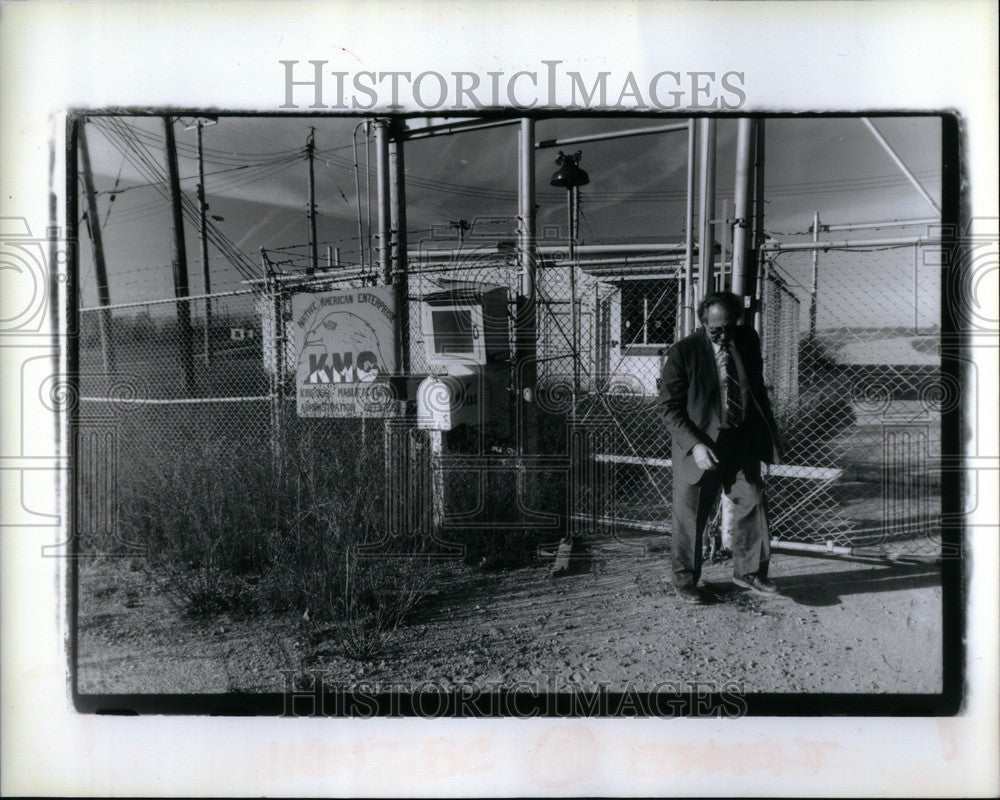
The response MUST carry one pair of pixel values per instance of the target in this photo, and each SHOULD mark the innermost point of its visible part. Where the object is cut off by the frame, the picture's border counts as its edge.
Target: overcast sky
(256, 176)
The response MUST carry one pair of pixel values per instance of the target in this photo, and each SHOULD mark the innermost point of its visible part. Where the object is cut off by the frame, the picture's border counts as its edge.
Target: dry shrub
(226, 526)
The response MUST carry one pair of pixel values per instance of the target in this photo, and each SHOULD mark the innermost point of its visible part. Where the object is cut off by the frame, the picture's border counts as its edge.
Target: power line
(143, 160)
(157, 139)
(195, 177)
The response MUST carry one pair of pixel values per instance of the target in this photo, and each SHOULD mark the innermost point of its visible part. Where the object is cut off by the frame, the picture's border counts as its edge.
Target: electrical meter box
(467, 341)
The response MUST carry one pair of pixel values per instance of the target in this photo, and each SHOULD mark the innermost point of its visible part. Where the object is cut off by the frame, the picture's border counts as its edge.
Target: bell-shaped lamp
(569, 173)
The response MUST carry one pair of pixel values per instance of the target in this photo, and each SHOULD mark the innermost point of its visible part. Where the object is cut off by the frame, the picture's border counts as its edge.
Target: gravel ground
(836, 626)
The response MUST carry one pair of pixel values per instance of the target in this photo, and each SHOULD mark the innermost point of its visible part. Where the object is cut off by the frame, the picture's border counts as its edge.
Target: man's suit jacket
(691, 400)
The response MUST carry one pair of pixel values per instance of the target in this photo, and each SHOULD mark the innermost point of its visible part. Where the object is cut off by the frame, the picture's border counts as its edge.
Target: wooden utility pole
(203, 232)
(310, 152)
(93, 217)
(179, 259)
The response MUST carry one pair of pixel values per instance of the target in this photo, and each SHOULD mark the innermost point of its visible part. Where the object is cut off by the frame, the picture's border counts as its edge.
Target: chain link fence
(865, 414)
(850, 351)
(162, 384)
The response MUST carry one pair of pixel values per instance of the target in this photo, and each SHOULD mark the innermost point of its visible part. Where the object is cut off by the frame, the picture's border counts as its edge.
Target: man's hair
(731, 302)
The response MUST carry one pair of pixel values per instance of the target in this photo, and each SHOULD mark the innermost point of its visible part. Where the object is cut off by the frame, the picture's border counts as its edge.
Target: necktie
(734, 393)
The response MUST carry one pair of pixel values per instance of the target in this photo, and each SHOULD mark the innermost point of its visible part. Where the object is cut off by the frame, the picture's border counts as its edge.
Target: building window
(649, 312)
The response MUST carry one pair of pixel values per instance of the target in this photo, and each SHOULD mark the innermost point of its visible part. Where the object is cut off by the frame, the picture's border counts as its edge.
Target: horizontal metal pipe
(852, 243)
(430, 255)
(174, 401)
(625, 260)
(450, 128)
(341, 273)
(892, 223)
(189, 297)
(627, 524)
(597, 137)
(661, 247)
(841, 550)
(805, 547)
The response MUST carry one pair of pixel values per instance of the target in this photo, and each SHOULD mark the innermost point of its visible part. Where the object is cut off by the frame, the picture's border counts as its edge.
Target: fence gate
(862, 416)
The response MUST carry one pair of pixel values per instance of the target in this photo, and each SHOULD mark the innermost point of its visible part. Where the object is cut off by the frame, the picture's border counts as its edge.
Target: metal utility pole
(754, 275)
(93, 217)
(570, 177)
(382, 194)
(527, 311)
(574, 224)
(310, 153)
(179, 259)
(203, 236)
(689, 295)
(741, 201)
(815, 277)
(706, 241)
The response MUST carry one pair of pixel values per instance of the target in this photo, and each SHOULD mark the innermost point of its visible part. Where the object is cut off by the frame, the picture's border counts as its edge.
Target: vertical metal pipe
(368, 199)
(706, 241)
(275, 377)
(754, 271)
(399, 250)
(574, 204)
(815, 277)
(727, 507)
(741, 203)
(382, 200)
(758, 317)
(526, 207)
(689, 298)
(526, 320)
(67, 311)
(435, 440)
(357, 192)
(724, 244)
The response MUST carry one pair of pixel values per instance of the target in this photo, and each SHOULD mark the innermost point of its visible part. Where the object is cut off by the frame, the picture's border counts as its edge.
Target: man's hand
(704, 457)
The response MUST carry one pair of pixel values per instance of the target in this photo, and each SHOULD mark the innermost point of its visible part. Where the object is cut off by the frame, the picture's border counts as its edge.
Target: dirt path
(837, 626)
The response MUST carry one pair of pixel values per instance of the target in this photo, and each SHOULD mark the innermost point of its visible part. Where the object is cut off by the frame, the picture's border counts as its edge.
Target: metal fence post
(273, 299)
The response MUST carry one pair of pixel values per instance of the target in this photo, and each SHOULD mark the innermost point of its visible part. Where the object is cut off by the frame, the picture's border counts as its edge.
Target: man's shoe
(756, 584)
(689, 594)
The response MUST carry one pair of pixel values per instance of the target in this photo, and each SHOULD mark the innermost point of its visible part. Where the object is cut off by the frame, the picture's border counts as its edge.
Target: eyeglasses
(715, 331)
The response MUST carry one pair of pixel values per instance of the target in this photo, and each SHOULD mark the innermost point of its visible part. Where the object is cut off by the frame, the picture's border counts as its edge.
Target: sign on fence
(345, 344)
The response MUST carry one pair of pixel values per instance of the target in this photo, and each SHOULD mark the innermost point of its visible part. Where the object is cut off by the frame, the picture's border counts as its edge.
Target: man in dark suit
(714, 402)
